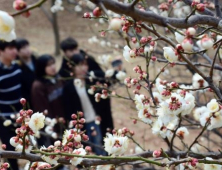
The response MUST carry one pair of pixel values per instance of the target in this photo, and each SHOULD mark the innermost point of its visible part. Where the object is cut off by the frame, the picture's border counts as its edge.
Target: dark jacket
(72, 104)
(10, 89)
(28, 77)
(48, 95)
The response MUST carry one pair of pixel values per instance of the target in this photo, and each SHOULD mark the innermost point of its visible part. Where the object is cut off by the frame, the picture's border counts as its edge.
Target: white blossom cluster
(57, 6)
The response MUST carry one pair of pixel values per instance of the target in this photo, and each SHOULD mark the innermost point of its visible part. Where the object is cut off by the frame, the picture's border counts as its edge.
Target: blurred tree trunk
(52, 17)
(56, 31)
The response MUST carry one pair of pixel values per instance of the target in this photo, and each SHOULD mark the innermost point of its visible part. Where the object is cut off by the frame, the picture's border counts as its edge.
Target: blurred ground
(38, 30)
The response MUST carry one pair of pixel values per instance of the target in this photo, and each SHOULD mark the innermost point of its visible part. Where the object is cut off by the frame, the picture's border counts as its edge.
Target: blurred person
(10, 93)
(47, 89)
(27, 64)
(70, 47)
(76, 98)
(46, 93)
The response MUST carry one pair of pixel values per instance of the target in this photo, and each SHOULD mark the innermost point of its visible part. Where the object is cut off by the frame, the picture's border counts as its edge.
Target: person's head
(70, 47)
(8, 52)
(80, 66)
(24, 51)
(45, 66)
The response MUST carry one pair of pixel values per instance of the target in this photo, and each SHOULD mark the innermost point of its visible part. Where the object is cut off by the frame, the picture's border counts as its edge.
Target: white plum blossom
(77, 160)
(121, 75)
(211, 166)
(7, 27)
(139, 101)
(198, 81)
(109, 73)
(14, 141)
(104, 59)
(206, 42)
(215, 119)
(213, 106)
(57, 6)
(116, 145)
(179, 37)
(160, 129)
(37, 121)
(52, 160)
(78, 8)
(182, 132)
(65, 137)
(189, 104)
(129, 54)
(145, 114)
(7, 122)
(115, 24)
(174, 105)
(169, 54)
(19, 148)
(198, 111)
(78, 83)
(93, 39)
(187, 44)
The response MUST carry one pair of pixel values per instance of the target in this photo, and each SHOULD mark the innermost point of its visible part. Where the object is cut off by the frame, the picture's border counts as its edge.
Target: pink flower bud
(88, 149)
(57, 143)
(174, 85)
(23, 101)
(194, 162)
(134, 121)
(200, 7)
(19, 120)
(74, 116)
(143, 40)
(103, 33)
(153, 58)
(6, 165)
(19, 4)
(97, 12)
(191, 31)
(179, 47)
(82, 120)
(85, 137)
(80, 114)
(3, 146)
(86, 15)
(29, 112)
(134, 40)
(156, 153)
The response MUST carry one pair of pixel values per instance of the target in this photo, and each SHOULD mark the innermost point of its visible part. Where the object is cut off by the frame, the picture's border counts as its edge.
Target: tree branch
(30, 7)
(151, 17)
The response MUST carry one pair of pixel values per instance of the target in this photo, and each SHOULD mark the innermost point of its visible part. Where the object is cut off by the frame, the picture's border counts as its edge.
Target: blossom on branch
(76, 160)
(37, 122)
(116, 145)
(7, 27)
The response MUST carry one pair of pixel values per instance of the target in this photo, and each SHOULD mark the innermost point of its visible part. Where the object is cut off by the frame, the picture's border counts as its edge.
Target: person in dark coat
(70, 47)
(27, 64)
(46, 94)
(76, 98)
(10, 93)
(47, 89)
